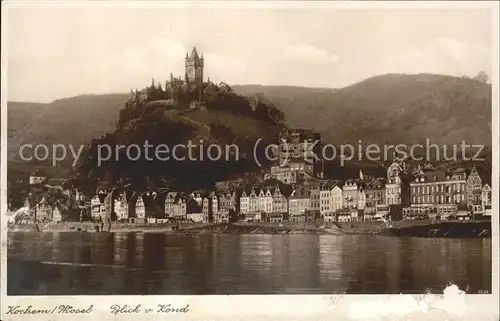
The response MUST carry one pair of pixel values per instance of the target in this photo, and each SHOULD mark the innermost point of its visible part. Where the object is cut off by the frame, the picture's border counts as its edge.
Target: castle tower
(194, 68)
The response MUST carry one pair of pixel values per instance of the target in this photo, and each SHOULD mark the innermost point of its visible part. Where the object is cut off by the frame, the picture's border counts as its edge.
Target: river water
(73, 263)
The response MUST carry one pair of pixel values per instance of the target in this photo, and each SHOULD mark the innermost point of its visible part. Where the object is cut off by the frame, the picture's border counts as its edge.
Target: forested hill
(390, 108)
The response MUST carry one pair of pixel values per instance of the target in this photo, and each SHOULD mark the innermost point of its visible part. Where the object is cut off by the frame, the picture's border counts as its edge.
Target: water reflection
(148, 263)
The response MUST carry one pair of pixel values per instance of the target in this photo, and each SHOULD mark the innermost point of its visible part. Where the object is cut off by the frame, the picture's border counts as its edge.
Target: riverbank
(464, 229)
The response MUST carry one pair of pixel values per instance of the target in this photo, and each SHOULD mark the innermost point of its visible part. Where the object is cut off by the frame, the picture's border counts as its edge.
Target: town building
(136, 208)
(280, 202)
(396, 187)
(196, 196)
(95, 207)
(299, 152)
(265, 202)
(361, 202)
(244, 202)
(474, 192)
(206, 209)
(343, 215)
(298, 204)
(330, 200)
(214, 203)
(253, 217)
(397, 190)
(350, 195)
(486, 200)
(437, 193)
(121, 207)
(285, 174)
(253, 202)
(314, 190)
(275, 217)
(227, 201)
(175, 205)
(43, 211)
(375, 195)
(337, 198)
(57, 213)
(140, 209)
(196, 217)
(38, 177)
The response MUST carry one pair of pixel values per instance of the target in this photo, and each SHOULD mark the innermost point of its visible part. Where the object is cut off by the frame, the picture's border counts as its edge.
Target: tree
(481, 77)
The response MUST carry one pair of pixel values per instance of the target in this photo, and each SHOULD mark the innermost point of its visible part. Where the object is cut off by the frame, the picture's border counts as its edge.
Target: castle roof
(39, 173)
(194, 53)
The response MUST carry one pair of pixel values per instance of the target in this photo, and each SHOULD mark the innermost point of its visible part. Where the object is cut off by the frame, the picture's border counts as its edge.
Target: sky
(56, 52)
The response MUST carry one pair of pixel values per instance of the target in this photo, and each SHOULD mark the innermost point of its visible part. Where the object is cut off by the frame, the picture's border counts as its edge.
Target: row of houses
(426, 191)
(152, 206)
(42, 210)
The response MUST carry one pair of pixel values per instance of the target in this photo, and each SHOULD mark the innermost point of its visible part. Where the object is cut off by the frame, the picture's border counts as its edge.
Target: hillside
(390, 108)
(199, 144)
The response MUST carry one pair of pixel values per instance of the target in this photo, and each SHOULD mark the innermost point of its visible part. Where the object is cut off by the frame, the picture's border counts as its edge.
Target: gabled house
(38, 177)
(227, 201)
(121, 207)
(337, 197)
(214, 202)
(350, 194)
(57, 213)
(486, 200)
(180, 209)
(253, 206)
(280, 201)
(207, 209)
(327, 211)
(197, 197)
(298, 204)
(397, 186)
(474, 188)
(136, 208)
(244, 202)
(43, 210)
(140, 209)
(375, 195)
(265, 201)
(96, 207)
(170, 206)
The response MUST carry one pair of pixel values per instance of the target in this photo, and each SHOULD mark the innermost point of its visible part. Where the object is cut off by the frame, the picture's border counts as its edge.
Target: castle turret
(194, 68)
(194, 71)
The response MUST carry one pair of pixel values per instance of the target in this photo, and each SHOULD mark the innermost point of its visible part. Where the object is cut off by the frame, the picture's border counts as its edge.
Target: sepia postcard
(220, 160)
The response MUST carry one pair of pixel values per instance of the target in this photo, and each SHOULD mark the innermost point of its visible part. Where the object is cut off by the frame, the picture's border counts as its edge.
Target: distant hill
(392, 108)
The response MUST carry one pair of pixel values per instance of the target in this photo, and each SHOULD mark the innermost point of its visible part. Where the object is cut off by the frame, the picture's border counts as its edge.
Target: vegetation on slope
(391, 108)
(227, 119)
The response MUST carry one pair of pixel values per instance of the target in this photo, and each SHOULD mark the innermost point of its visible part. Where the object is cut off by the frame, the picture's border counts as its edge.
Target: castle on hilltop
(190, 88)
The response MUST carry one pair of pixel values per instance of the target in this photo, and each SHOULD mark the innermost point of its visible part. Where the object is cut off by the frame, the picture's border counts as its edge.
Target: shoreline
(458, 229)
